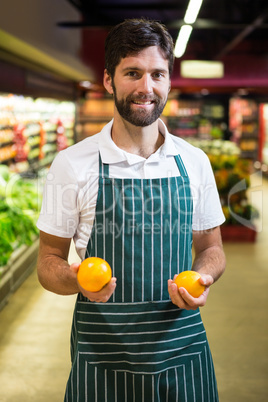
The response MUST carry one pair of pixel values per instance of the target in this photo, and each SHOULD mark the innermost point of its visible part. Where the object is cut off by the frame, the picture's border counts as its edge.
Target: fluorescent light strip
(192, 11)
(182, 40)
(186, 30)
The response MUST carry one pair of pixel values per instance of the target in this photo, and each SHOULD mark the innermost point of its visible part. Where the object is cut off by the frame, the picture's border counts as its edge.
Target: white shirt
(71, 188)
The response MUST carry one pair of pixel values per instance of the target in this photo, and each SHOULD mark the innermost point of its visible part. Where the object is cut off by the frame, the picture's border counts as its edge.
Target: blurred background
(51, 96)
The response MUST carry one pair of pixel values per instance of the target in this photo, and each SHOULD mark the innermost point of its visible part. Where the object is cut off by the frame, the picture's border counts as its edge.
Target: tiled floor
(35, 329)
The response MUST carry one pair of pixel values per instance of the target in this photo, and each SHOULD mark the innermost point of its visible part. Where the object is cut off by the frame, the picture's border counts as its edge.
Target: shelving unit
(92, 115)
(244, 126)
(194, 118)
(19, 267)
(33, 131)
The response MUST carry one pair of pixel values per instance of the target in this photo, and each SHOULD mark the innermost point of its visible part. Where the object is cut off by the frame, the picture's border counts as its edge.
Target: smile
(143, 103)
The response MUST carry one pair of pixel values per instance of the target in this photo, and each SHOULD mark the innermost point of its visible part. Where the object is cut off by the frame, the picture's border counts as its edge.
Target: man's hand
(181, 298)
(100, 297)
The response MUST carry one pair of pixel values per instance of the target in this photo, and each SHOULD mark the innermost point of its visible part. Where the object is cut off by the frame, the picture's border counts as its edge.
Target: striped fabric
(193, 381)
(139, 346)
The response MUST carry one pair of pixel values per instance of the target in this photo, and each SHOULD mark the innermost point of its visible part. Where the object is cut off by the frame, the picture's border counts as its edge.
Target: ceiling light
(192, 11)
(202, 69)
(182, 40)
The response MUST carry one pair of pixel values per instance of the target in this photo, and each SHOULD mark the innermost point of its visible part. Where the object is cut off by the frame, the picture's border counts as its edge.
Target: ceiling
(226, 30)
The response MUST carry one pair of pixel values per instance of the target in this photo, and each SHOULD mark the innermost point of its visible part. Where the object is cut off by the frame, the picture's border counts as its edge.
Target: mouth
(142, 103)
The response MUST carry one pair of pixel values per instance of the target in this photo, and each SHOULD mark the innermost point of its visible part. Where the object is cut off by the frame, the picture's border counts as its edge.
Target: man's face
(140, 85)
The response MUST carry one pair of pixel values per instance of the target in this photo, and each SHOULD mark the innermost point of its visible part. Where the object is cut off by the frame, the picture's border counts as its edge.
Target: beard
(139, 117)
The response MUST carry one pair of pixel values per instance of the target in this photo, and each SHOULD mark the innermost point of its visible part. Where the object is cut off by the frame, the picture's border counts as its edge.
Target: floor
(35, 328)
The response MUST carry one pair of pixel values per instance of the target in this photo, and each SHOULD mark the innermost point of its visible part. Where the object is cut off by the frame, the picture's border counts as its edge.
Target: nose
(145, 84)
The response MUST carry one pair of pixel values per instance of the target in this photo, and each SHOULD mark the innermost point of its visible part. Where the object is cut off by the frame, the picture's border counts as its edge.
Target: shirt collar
(111, 153)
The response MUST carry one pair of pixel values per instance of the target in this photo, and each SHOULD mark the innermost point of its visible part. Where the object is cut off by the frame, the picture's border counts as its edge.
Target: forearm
(55, 275)
(210, 261)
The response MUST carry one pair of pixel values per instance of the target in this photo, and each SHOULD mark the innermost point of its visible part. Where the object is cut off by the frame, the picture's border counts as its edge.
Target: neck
(142, 141)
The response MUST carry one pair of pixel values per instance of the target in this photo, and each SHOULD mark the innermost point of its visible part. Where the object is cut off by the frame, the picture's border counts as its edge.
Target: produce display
(232, 175)
(32, 131)
(19, 207)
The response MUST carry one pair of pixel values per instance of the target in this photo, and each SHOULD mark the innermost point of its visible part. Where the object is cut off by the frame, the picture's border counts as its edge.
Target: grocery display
(20, 201)
(263, 139)
(32, 131)
(19, 206)
(92, 114)
(243, 123)
(232, 175)
(195, 118)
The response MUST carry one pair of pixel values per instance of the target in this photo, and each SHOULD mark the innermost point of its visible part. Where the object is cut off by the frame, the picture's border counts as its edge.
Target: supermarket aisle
(236, 315)
(34, 343)
(35, 328)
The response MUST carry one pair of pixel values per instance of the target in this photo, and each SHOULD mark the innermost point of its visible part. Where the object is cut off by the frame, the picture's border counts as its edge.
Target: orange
(94, 273)
(190, 281)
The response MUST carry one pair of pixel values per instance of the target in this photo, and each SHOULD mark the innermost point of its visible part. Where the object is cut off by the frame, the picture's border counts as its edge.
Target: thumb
(75, 267)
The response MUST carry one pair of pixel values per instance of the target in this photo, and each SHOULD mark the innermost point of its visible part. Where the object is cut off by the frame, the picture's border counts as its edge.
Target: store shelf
(194, 118)
(29, 128)
(18, 268)
(244, 126)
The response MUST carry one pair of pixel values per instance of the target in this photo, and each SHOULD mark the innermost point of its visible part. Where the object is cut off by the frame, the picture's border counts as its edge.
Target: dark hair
(132, 36)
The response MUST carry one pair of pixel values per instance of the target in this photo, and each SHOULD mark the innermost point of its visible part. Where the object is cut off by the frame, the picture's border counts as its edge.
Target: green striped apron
(139, 346)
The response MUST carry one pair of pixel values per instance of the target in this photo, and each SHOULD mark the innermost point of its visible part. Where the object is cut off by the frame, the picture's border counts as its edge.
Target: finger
(175, 295)
(194, 302)
(104, 294)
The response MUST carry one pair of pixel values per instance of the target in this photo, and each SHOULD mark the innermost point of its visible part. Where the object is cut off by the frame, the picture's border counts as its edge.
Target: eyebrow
(155, 70)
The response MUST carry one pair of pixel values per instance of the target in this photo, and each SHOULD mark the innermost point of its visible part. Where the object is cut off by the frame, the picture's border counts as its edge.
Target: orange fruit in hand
(190, 281)
(94, 273)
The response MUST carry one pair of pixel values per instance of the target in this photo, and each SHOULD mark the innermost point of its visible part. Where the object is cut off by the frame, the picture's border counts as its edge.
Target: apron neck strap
(181, 166)
(103, 168)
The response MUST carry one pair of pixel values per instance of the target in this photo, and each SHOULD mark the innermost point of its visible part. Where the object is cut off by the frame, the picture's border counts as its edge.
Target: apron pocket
(194, 380)
(138, 338)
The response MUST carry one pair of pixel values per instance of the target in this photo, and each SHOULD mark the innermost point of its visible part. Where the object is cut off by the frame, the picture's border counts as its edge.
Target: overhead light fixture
(185, 31)
(202, 69)
(85, 84)
(182, 40)
(192, 11)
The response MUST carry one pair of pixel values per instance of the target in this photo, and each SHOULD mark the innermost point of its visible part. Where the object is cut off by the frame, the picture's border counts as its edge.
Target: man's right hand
(99, 297)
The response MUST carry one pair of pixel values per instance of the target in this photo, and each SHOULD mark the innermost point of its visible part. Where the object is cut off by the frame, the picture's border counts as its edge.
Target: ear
(107, 82)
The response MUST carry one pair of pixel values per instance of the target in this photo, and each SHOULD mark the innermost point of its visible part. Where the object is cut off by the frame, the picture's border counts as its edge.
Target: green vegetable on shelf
(20, 203)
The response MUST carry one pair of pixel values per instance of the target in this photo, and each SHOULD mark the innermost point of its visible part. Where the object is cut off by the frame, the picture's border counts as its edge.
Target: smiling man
(137, 197)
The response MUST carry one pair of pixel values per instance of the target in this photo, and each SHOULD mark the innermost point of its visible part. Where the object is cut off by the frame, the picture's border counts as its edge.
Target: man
(137, 197)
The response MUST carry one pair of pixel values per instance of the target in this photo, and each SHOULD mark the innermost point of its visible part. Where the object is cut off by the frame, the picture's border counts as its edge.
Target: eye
(158, 75)
(133, 74)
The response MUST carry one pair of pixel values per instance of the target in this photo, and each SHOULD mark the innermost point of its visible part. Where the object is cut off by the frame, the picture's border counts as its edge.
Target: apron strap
(103, 168)
(181, 166)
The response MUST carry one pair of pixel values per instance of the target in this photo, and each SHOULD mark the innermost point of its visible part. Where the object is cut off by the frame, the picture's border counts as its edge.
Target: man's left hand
(181, 298)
